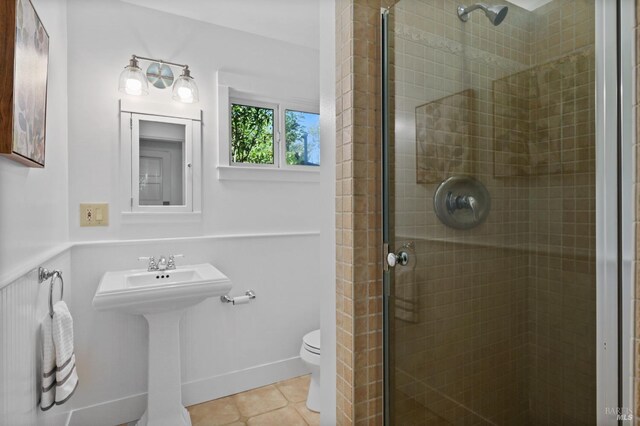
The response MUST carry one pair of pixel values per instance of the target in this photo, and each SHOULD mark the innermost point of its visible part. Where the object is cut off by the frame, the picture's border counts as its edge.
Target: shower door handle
(400, 258)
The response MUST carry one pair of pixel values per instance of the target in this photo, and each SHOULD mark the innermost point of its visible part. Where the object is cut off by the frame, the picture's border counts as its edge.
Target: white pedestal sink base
(164, 398)
(162, 299)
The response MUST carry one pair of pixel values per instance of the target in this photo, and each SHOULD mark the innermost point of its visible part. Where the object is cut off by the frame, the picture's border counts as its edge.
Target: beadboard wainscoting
(23, 303)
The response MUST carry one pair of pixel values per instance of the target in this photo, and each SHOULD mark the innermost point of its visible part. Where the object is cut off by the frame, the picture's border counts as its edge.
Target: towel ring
(44, 274)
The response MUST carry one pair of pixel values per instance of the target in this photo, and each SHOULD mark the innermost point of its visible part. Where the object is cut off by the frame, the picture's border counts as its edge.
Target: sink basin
(138, 291)
(162, 298)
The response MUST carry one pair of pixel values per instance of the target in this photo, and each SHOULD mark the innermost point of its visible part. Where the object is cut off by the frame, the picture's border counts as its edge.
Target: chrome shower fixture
(496, 14)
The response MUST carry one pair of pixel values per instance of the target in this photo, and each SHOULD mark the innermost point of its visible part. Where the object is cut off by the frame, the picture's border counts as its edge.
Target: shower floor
(283, 403)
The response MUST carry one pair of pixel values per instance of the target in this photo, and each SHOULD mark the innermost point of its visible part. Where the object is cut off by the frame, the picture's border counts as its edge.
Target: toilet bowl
(310, 354)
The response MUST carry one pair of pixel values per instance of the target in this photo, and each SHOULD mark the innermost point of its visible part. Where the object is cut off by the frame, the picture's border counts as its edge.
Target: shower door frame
(627, 198)
(615, 207)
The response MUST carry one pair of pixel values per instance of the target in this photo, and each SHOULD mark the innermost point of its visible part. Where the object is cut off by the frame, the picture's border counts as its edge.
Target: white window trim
(233, 86)
(130, 209)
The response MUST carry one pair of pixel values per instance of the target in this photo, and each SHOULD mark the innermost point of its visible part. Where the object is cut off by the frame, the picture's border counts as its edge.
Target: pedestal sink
(161, 297)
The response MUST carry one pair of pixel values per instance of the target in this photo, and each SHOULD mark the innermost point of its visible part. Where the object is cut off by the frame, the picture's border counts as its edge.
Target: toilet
(310, 354)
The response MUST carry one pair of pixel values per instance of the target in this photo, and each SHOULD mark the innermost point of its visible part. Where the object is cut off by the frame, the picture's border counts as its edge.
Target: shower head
(496, 14)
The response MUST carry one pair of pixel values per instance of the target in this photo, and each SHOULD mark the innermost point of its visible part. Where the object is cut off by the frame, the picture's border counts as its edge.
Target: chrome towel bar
(45, 274)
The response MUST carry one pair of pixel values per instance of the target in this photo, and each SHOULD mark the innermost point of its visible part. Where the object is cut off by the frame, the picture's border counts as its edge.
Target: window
(302, 130)
(256, 133)
(252, 134)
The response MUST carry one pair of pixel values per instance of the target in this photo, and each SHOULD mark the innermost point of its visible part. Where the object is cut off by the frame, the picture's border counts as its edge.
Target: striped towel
(66, 375)
(59, 376)
(47, 398)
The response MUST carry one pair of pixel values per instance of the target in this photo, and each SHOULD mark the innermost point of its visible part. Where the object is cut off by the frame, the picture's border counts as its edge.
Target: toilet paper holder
(239, 300)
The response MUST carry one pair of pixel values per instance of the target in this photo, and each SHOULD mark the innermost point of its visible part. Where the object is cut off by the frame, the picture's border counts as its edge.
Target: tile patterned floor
(283, 403)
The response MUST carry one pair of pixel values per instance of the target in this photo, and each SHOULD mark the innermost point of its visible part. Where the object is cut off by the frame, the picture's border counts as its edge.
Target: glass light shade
(133, 81)
(185, 89)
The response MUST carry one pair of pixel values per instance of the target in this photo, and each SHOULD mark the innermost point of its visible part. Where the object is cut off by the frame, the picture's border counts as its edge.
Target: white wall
(225, 349)
(33, 225)
(278, 225)
(327, 16)
(103, 34)
(33, 202)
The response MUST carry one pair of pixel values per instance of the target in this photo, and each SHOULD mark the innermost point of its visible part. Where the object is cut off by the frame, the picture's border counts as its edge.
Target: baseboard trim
(130, 408)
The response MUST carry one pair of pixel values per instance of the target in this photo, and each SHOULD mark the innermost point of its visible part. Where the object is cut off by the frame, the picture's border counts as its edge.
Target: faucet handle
(172, 262)
(152, 262)
(473, 206)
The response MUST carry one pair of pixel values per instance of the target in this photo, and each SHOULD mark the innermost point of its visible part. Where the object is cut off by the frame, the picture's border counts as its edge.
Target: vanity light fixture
(133, 81)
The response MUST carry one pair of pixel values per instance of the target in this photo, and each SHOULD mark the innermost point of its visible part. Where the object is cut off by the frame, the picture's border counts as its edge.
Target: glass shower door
(491, 164)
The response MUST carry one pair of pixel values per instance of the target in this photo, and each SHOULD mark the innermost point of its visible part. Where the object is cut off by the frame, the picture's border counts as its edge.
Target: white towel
(62, 331)
(48, 396)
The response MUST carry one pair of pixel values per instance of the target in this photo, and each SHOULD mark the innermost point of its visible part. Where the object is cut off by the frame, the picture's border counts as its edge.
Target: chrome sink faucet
(162, 264)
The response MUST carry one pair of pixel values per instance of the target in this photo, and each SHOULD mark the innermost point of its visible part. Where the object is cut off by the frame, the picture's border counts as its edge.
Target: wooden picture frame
(24, 60)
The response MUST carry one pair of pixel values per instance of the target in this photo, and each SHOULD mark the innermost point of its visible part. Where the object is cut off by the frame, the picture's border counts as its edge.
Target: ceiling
(292, 21)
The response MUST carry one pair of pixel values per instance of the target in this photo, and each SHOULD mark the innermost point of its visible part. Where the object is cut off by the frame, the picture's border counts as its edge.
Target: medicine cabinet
(161, 159)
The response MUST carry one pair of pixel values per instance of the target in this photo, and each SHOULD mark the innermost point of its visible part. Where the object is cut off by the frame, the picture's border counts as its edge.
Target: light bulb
(185, 93)
(133, 87)
(185, 89)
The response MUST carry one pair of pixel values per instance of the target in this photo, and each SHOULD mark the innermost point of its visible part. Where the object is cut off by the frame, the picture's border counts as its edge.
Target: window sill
(161, 217)
(268, 174)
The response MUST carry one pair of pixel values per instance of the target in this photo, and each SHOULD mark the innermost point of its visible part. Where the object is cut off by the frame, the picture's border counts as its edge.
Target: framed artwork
(24, 58)
(445, 133)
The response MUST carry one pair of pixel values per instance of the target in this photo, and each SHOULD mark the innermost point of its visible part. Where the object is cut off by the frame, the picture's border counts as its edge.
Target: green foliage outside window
(251, 134)
(294, 134)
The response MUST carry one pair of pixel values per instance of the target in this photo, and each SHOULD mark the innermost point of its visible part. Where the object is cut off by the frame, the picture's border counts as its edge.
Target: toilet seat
(311, 342)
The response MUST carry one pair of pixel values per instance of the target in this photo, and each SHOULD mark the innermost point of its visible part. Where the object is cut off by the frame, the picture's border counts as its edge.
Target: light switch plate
(94, 214)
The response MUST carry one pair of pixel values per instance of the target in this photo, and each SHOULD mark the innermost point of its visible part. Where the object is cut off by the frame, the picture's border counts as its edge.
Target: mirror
(161, 164)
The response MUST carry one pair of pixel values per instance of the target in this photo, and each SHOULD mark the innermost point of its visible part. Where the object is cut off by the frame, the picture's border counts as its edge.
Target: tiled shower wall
(358, 219)
(485, 297)
(562, 282)
(469, 286)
